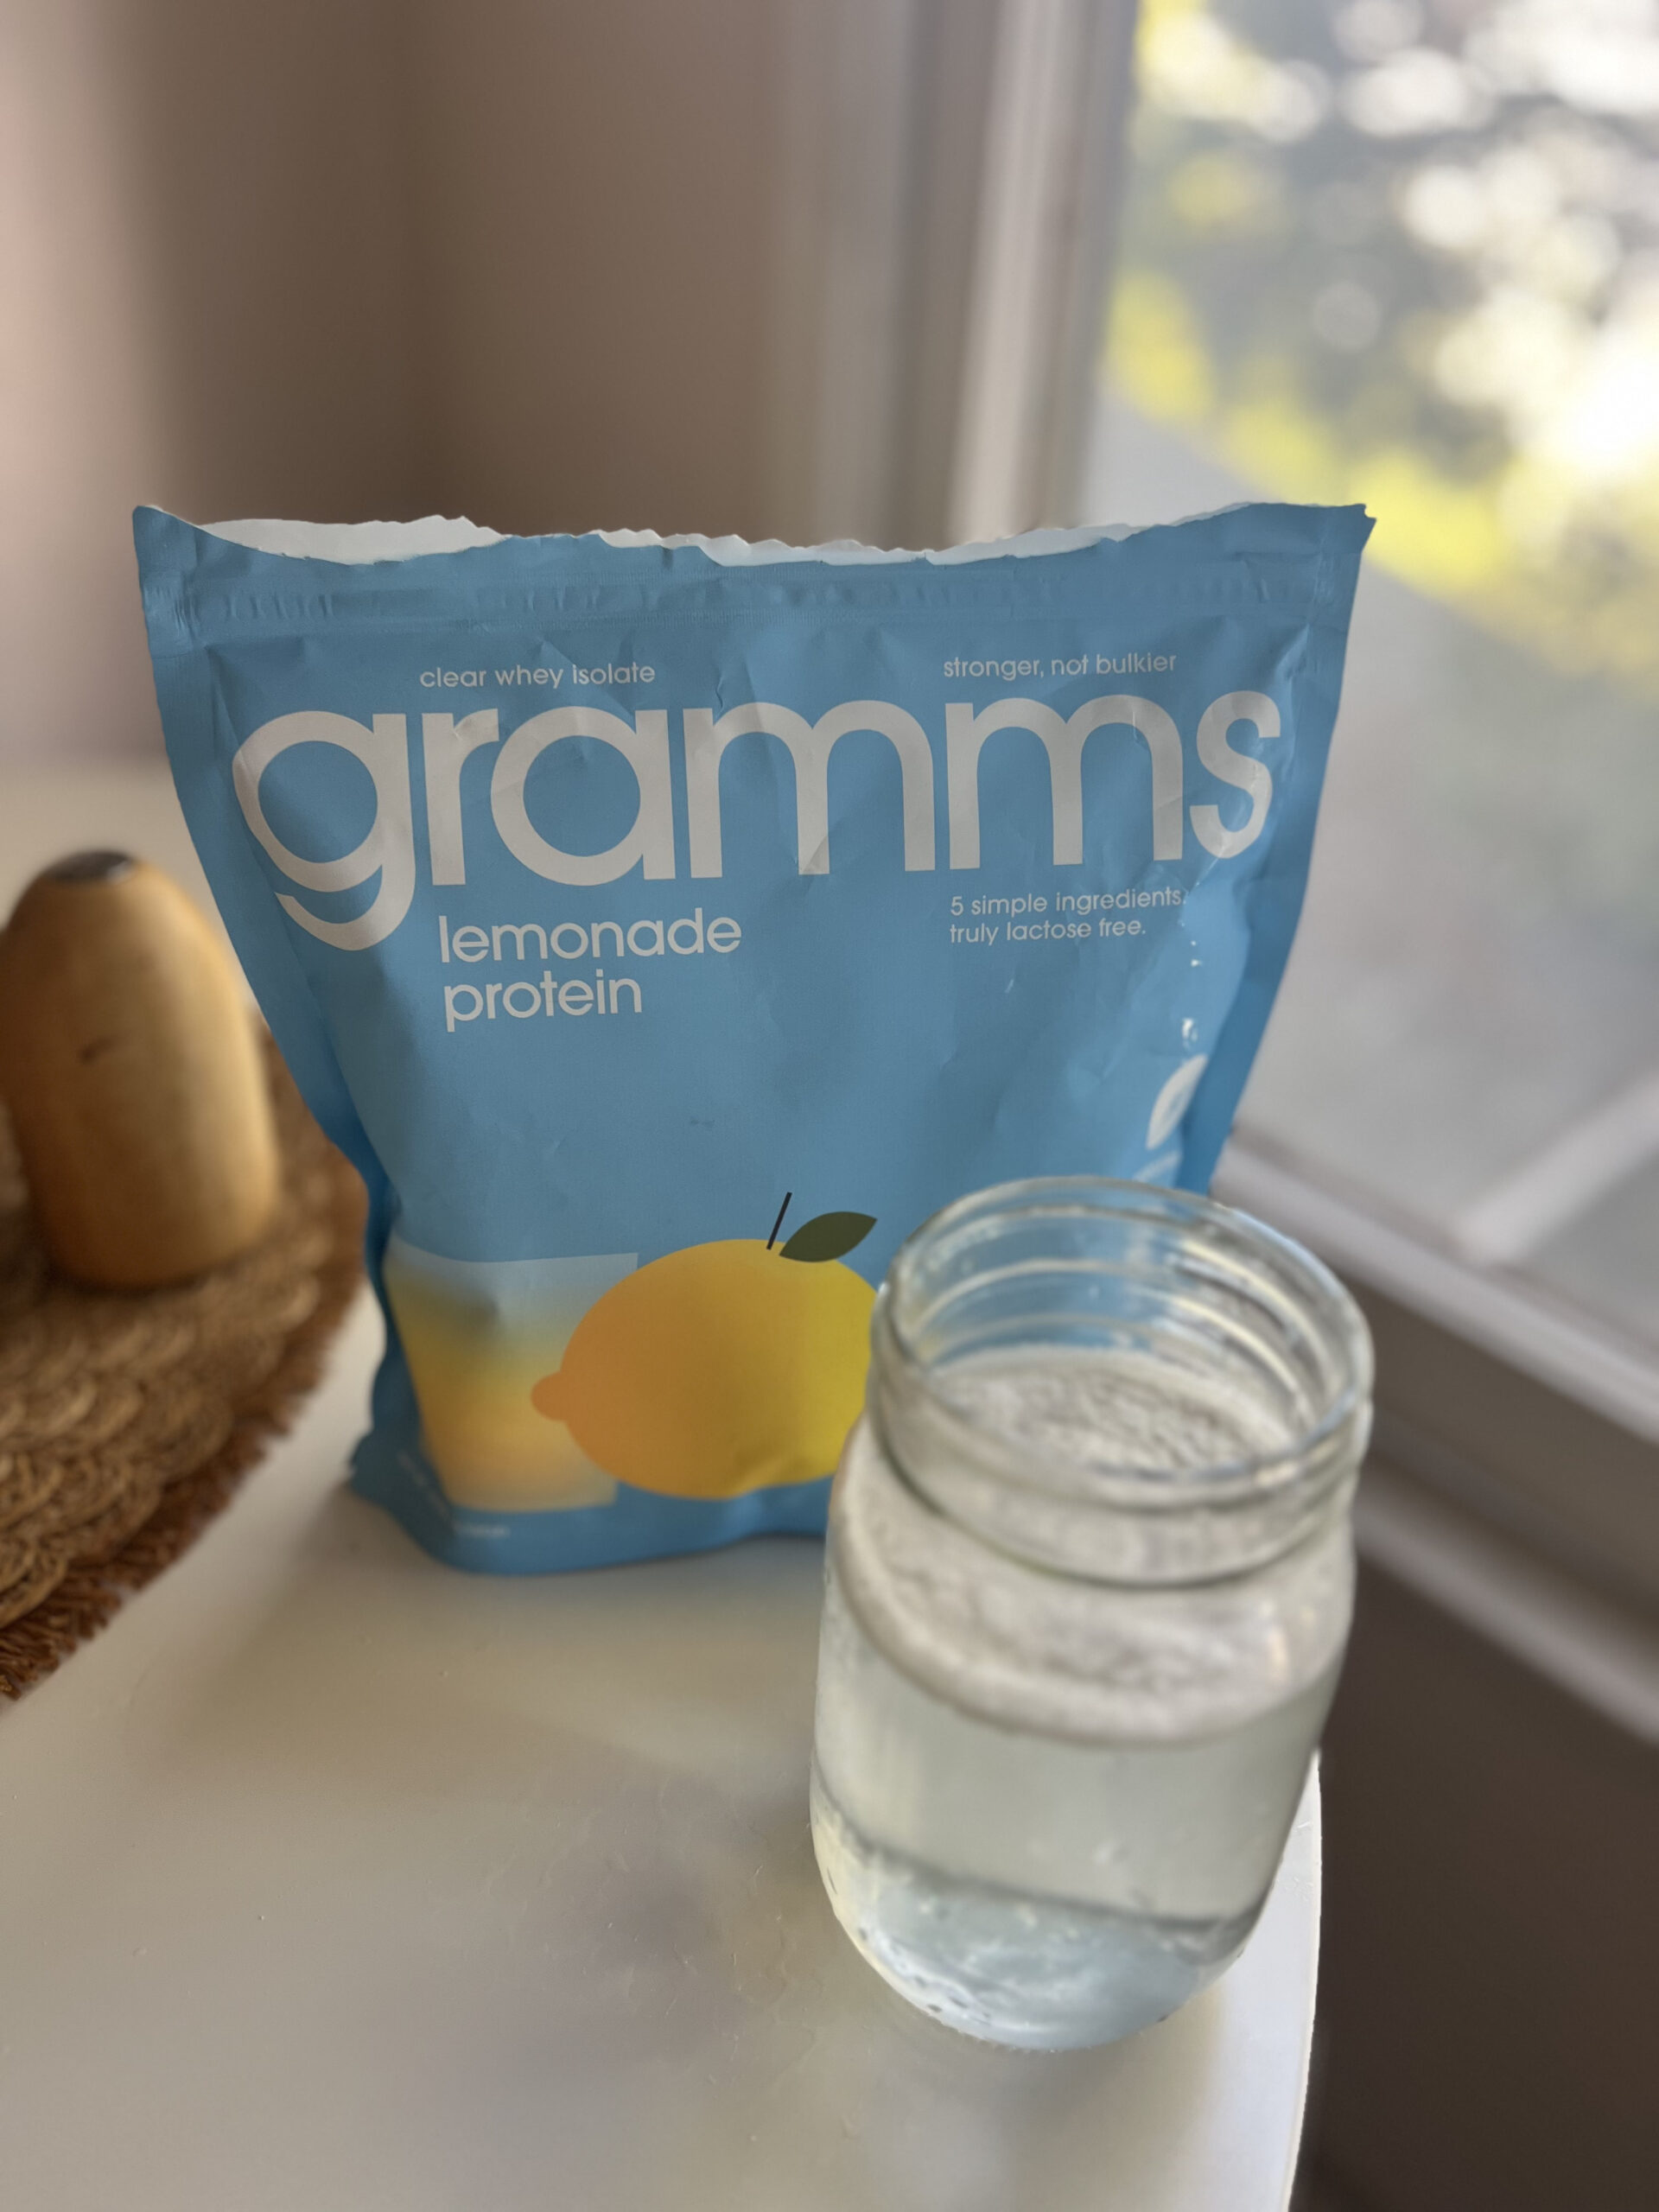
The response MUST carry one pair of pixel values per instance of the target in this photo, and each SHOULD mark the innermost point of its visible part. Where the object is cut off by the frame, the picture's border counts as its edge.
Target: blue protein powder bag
(666, 928)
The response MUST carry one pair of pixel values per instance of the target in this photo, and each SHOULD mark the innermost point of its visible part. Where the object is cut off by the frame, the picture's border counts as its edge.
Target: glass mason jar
(1090, 1578)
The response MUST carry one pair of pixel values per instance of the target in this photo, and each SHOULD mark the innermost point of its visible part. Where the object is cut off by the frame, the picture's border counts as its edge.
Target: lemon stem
(779, 1223)
(547, 1396)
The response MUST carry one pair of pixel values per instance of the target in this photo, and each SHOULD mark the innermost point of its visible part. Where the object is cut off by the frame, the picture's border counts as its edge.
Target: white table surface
(335, 1878)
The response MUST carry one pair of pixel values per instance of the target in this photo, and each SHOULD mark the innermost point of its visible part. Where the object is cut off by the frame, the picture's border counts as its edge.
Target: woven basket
(126, 1419)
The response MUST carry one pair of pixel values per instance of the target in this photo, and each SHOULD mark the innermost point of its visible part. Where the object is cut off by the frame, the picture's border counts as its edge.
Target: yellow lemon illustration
(722, 1368)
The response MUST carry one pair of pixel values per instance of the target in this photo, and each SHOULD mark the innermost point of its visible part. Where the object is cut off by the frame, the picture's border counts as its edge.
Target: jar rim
(1340, 1327)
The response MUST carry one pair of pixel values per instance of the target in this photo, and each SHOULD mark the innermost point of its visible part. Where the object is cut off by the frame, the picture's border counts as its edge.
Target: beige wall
(350, 257)
(593, 184)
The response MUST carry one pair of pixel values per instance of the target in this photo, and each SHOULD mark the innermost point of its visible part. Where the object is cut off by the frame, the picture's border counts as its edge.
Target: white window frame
(1514, 1477)
(948, 182)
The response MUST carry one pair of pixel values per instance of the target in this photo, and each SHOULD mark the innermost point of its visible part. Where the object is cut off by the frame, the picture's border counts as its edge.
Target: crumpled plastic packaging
(665, 928)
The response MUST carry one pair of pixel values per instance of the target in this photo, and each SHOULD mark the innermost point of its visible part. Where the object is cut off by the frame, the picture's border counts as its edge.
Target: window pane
(1409, 254)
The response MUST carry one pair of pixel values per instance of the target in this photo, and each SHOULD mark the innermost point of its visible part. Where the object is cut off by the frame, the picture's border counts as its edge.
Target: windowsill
(1604, 1653)
(1512, 1323)
(1516, 1482)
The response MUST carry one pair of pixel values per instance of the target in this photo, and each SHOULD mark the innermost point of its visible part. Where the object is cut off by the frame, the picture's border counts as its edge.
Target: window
(1410, 255)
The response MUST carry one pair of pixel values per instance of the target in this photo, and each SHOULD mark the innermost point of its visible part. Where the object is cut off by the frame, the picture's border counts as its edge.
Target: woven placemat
(127, 1418)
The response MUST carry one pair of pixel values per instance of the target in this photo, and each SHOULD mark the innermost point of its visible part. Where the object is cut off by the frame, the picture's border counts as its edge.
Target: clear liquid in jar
(1036, 1886)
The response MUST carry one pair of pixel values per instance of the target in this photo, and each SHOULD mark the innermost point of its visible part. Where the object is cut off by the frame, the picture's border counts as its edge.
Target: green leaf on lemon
(826, 1235)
